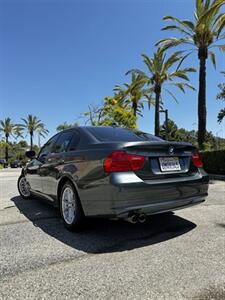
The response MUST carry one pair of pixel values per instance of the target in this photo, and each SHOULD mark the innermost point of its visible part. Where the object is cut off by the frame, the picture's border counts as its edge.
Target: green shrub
(214, 161)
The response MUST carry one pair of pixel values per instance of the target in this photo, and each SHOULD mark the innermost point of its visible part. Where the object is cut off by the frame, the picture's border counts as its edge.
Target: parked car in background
(3, 163)
(115, 173)
(16, 164)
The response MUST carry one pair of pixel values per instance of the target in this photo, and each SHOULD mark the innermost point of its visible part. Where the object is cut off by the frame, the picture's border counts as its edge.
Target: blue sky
(56, 57)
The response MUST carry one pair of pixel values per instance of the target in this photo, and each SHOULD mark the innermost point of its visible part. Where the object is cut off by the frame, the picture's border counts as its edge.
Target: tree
(203, 34)
(32, 124)
(159, 72)
(133, 93)
(182, 135)
(65, 126)
(9, 129)
(110, 114)
(221, 96)
(172, 130)
(94, 115)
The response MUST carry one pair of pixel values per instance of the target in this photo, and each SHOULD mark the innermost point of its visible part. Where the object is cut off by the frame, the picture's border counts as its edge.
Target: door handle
(61, 161)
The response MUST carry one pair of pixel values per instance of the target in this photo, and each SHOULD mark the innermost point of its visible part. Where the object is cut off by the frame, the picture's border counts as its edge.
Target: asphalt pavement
(180, 256)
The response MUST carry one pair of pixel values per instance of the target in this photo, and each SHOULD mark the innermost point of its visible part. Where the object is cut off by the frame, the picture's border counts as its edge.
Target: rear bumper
(157, 208)
(125, 193)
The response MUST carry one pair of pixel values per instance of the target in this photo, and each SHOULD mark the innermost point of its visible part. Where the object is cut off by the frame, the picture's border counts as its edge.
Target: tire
(70, 207)
(23, 187)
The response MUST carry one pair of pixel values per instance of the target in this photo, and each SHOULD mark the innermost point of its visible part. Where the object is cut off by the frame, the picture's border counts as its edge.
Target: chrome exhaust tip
(142, 218)
(132, 219)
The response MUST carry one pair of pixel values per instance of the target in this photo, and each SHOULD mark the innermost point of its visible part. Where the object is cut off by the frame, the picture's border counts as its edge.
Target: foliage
(111, 113)
(221, 96)
(214, 161)
(177, 134)
(8, 128)
(2, 144)
(203, 34)
(65, 126)
(160, 70)
(183, 135)
(16, 150)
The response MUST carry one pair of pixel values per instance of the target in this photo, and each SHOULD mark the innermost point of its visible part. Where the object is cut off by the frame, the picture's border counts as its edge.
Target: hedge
(214, 161)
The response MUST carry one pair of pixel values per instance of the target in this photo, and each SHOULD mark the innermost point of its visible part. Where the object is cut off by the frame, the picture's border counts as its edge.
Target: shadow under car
(100, 235)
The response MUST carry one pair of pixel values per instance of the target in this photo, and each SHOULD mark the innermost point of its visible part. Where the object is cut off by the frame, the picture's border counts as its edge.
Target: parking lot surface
(180, 256)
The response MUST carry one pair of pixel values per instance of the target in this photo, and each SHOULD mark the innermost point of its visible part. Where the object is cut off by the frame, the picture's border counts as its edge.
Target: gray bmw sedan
(114, 173)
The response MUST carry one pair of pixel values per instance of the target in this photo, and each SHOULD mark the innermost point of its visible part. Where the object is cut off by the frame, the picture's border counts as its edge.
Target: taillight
(120, 161)
(196, 160)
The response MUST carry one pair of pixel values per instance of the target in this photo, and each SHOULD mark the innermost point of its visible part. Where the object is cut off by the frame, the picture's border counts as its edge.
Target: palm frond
(220, 24)
(172, 95)
(149, 62)
(173, 42)
(183, 85)
(199, 4)
(185, 23)
(174, 27)
(175, 57)
(208, 14)
(213, 58)
(137, 71)
(183, 59)
(181, 73)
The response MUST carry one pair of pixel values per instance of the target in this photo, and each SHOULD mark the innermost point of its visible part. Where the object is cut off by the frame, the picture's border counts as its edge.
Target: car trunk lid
(163, 159)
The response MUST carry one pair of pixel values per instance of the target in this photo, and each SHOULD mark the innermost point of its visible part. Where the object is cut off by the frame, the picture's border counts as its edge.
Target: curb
(217, 177)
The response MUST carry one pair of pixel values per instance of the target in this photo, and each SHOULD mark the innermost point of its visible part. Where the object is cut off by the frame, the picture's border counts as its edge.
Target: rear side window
(115, 134)
(74, 141)
(62, 142)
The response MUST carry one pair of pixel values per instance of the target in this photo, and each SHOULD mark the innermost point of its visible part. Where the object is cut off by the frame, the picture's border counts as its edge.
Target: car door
(33, 168)
(52, 168)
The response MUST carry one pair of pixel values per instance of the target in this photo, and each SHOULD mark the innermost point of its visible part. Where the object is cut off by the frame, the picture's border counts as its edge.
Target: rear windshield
(115, 134)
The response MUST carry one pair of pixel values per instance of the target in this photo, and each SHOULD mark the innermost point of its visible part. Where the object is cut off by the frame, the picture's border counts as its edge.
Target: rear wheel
(23, 187)
(70, 207)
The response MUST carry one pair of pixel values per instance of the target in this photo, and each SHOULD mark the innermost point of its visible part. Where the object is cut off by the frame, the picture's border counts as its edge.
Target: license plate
(169, 164)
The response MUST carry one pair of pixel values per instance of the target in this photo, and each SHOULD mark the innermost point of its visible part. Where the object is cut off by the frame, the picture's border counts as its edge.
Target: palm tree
(203, 34)
(65, 125)
(32, 124)
(8, 129)
(133, 93)
(159, 73)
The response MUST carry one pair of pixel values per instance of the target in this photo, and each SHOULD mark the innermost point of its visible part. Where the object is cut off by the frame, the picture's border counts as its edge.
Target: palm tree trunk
(31, 140)
(7, 148)
(135, 109)
(202, 55)
(157, 106)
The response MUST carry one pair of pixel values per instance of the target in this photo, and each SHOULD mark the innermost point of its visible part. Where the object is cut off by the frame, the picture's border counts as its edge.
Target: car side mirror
(30, 154)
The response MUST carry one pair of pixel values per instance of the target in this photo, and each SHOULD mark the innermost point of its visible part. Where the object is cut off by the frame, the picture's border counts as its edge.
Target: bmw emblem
(171, 150)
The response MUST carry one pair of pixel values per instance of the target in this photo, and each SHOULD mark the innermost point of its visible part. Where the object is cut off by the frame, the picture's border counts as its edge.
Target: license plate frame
(169, 164)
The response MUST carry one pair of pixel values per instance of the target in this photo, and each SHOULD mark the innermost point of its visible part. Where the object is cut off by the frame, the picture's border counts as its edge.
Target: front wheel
(70, 207)
(23, 187)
